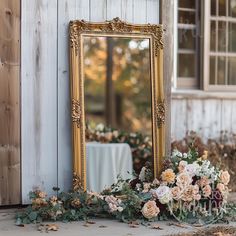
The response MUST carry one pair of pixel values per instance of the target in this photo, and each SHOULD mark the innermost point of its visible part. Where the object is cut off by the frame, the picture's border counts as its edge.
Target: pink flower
(206, 191)
(150, 210)
(225, 177)
(204, 181)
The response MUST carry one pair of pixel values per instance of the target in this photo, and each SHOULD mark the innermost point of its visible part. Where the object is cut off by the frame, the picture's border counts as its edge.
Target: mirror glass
(118, 105)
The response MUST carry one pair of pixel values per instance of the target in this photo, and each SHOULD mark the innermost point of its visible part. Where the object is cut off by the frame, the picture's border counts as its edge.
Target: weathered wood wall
(46, 129)
(9, 102)
(207, 115)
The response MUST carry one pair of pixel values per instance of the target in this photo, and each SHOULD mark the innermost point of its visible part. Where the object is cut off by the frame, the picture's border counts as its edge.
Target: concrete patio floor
(101, 227)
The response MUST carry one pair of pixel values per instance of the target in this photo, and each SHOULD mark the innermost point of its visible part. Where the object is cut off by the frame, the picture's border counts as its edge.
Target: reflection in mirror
(117, 101)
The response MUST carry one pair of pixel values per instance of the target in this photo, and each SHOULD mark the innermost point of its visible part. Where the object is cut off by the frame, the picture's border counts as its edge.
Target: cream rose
(204, 181)
(225, 177)
(220, 187)
(146, 187)
(150, 210)
(190, 193)
(168, 176)
(206, 191)
(176, 193)
(183, 179)
(42, 194)
(182, 165)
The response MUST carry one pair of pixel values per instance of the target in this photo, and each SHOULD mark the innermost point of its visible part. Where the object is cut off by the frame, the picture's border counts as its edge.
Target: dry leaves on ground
(48, 227)
(156, 226)
(133, 224)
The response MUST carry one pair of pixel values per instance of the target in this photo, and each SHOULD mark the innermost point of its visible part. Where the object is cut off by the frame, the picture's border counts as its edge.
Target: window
(188, 44)
(207, 44)
(221, 51)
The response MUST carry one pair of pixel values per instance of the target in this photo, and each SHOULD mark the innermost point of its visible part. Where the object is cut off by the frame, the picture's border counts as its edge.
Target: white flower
(176, 153)
(185, 155)
(192, 169)
(142, 174)
(163, 194)
(133, 135)
(115, 133)
(100, 127)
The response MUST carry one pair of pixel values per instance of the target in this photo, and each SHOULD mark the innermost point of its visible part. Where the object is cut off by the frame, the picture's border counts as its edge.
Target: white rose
(163, 194)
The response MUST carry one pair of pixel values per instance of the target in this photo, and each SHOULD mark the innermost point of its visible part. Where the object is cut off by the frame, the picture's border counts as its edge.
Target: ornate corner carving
(157, 32)
(160, 114)
(76, 112)
(77, 183)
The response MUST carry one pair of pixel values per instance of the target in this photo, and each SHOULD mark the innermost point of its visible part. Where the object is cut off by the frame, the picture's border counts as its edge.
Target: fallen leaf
(20, 225)
(52, 227)
(102, 226)
(178, 225)
(156, 226)
(133, 225)
(91, 222)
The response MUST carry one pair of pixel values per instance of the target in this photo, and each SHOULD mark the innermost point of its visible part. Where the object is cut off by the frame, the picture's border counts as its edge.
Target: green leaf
(18, 221)
(33, 216)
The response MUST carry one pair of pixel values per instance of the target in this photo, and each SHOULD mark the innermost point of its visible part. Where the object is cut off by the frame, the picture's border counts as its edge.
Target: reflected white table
(105, 162)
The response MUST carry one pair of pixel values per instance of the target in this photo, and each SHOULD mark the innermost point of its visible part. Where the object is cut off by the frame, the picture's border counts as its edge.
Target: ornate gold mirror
(118, 109)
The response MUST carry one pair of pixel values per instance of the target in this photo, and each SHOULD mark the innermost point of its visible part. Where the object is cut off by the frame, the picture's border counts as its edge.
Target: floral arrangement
(141, 146)
(189, 189)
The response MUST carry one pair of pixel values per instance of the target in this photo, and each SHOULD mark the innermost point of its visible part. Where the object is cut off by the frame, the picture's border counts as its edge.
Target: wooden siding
(206, 116)
(46, 127)
(9, 102)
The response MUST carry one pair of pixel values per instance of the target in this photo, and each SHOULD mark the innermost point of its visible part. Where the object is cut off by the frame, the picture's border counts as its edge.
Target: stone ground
(103, 227)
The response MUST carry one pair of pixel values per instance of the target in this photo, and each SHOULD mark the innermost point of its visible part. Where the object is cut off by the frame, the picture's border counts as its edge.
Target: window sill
(200, 94)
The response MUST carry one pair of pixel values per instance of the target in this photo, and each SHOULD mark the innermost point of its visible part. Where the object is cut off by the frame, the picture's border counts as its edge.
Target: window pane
(222, 36)
(212, 70)
(213, 7)
(222, 7)
(186, 17)
(221, 71)
(186, 65)
(186, 39)
(232, 37)
(232, 71)
(187, 3)
(232, 8)
(213, 36)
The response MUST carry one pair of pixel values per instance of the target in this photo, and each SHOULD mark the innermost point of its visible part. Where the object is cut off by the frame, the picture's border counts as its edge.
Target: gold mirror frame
(116, 28)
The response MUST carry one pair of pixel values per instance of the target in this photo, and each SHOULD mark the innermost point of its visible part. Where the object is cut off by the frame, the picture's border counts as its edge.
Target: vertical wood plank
(178, 119)
(211, 118)
(10, 102)
(226, 117)
(39, 95)
(167, 19)
(98, 10)
(195, 109)
(233, 117)
(114, 9)
(140, 11)
(127, 10)
(153, 11)
(67, 10)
